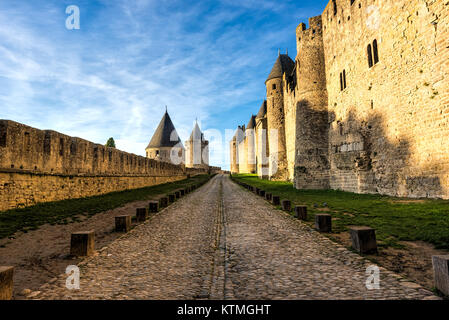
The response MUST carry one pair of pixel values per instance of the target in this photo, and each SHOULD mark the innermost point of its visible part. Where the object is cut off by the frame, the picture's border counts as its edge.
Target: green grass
(395, 219)
(66, 211)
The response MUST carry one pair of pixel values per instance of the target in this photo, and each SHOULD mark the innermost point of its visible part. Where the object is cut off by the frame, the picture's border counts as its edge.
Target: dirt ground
(414, 262)
(40, 255)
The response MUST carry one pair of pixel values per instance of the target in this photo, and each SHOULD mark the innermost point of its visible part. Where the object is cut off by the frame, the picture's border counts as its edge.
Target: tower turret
(311, 163)
(276, 117)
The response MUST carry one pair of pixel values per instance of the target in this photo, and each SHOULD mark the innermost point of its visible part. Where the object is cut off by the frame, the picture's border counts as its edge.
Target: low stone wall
(40, 166)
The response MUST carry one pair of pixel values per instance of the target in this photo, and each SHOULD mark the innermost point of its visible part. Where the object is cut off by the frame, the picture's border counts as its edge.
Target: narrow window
(370, 56)
(376, 53)
(61, 146)
(334, 2)
(274, 86)
(3, 135)
(341, 82)
(352, 2)
(344, 79)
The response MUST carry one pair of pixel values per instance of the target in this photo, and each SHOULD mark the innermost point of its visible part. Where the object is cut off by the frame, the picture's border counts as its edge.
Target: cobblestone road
(223, 242)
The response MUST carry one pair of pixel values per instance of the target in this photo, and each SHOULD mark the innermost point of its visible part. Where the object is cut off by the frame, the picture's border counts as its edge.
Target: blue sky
(130, 58)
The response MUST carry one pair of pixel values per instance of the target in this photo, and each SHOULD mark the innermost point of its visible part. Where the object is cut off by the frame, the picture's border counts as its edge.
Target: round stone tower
(311, 163)
(276, 117)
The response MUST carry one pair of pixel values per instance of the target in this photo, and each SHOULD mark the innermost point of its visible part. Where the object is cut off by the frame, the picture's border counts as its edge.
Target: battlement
(23, 148)
(315, 25)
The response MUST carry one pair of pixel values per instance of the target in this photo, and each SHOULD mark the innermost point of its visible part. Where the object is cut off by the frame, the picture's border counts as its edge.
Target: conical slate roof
(164, 134)
(283, 64)
(196, 133)
(251, 123)
(262, 111)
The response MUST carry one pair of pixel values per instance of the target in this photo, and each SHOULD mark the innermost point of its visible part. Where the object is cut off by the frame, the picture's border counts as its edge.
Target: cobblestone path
(223, 242)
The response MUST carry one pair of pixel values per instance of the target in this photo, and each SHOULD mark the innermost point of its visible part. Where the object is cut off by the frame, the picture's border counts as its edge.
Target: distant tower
(197, 149)
(234, 156)
(311, 163)
(241, 150)
(250, 145)
(278, 169)
(262, 150)
(165, 145)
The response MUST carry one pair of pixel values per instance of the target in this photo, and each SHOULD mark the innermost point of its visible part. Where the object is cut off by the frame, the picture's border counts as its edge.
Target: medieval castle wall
(367, 107)
(389, 126)
(40, 166)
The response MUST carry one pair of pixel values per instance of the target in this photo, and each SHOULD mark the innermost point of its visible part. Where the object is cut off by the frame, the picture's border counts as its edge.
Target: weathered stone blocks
(363, 239)
(122, 223)
(183, 192)
(276, 200)
(262, 193)
(323, 222)
(153, 206)
(301, 212)
(171, 198)
(441, 273)
(141, 214)
(286, 205)
(177, 194)
(6, 282)
(82, 243)
(268, 196)
(163, 202)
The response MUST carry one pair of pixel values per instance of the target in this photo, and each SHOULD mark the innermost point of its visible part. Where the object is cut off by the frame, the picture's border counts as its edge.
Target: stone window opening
(334, 2)
(61, 146)
(352, 2)
(375, 51)
(274, 86)
(343, 80)
(370, 56)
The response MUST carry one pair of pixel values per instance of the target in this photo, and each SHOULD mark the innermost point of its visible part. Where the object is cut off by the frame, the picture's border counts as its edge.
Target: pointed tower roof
(251, 123)
(283, 64)
(163, 133)
(196, 133)
(263, 110)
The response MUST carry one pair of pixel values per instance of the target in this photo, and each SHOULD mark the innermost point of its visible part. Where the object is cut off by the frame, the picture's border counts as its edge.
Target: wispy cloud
(114, 76)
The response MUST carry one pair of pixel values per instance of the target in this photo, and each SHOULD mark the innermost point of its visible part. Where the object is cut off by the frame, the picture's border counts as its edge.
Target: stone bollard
(441, 273)
(122, 223)
(301, 212)
(286, 205)
(163, 202)
(256, 191)
(183, 192)
(276, 200)
(153, 206)
(141, 214)
(82, 243)
(6, 283)
(363, 239)
(262, 193)
(171, 198)
(177, 194)
(323, 222)
(268, 196)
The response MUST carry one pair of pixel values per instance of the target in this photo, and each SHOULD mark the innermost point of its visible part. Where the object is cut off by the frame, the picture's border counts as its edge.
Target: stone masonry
(365, 108)
(41, 166)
